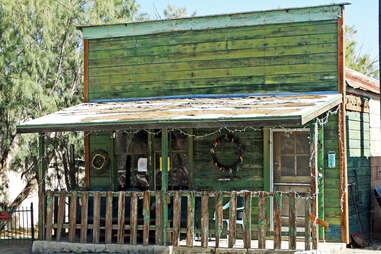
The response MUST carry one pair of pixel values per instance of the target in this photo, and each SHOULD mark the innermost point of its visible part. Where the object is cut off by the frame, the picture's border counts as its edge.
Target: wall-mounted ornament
(220, 142)
(100, 161)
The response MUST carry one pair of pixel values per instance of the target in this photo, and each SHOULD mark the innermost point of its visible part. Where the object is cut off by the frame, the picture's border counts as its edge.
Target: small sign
(169, 164)
(331, 159)
(142, 165)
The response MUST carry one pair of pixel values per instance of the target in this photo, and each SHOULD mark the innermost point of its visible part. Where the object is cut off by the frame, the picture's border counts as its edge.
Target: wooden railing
(205, 219)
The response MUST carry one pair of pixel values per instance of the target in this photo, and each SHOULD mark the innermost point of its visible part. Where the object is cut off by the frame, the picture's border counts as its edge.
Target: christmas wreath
(234, 167)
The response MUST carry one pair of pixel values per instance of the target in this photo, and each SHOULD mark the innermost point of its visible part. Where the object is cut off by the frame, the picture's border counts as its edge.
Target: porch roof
(202, 111)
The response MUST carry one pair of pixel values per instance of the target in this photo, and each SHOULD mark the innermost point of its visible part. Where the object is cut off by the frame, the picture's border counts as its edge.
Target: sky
(362, 14)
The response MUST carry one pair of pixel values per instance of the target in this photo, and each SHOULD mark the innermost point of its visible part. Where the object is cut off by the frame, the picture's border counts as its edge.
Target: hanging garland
(99, 161)
(227, 138)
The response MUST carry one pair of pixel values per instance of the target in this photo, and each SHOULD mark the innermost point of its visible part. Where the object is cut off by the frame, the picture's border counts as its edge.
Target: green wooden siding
(250, 175)
(359, 173)
(332, 210)
(291, 57)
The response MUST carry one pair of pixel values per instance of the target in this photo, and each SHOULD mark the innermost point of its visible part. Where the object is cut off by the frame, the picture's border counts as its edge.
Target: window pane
(302, 145)
(287, 166)
(287, 143)
(303, 167)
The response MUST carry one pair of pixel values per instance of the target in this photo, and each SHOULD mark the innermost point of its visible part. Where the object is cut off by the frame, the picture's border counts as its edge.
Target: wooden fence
(179, 218)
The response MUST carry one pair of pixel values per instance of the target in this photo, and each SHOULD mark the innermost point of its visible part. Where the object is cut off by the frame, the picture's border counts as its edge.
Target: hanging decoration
(220, 141)
(99, 160)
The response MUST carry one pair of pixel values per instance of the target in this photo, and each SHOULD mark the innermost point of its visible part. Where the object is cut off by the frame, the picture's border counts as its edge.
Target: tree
(41, 62)
(355, 59)
(173, 12)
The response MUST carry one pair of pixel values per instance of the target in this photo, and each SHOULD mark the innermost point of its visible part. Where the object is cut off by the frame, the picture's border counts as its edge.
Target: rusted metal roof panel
(360, 81)
(249, 110)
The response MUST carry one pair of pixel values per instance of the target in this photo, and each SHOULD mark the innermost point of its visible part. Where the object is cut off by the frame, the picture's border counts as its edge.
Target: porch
(190, 219)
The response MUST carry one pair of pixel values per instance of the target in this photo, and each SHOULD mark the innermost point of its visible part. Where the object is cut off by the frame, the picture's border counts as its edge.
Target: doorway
(290, 169)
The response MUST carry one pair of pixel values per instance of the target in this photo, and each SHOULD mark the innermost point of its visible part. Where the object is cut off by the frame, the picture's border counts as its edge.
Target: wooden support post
(151, 156)
(73, 216)
(204, 219)
(277, 223)
(146, 217)
(232, 219)
(60, 214)
(49, 215)
(307, 225)
(41, 187)
(164, 182)
(320, 147)
(292, 221)
(190, 159)
(133, 218)
(84, 215)
(121, 218)
(96, 217)
(190, 220)
(247, 221)
(342, 130)
(266, 167)
(108, 226)
(262, 221)
(314, 182)
(176, 218)
(159, 218)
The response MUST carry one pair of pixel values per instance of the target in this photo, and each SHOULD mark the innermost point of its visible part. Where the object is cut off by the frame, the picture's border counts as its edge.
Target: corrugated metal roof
(360, 81)
(274, 110)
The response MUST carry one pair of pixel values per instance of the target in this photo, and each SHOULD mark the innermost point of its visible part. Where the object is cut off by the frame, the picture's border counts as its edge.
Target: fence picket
(247, 221)
(49, 216)
(121, 219)
(262, 221)
(176, 218)
(108, 225)
(96, 217)
(133, 218)
(204, 219)
(190, 220)
(60, 214)
(146, 216)
(292, 222)
(84, 216)
(73, 216)
(277, 223)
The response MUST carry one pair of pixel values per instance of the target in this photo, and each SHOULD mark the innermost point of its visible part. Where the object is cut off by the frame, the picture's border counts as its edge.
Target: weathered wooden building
(198, 116)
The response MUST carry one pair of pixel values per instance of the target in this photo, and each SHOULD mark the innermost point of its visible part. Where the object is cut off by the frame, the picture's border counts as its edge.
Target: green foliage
(41, 62)
(173, 12)
(356, 60)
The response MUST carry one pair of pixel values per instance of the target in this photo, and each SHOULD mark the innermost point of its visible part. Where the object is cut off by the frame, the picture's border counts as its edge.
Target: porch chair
(239, 220)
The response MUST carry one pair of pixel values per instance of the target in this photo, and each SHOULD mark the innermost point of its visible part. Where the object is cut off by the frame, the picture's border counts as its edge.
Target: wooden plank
(60, 214)
(108, 224)
(262, 221)
(320, 151)
(190, 219)
(266, 165)
(232, 219)
(84, 216)
(49, 216)
(97, 216)
(146, 217)
(314, 183)
(277, 222)
(219, 217)
(176, 218)
(190, 152)
(329, 12)
(292, 221)
(41, 186)
(86, 70)
(133, 218)
(164, 183)
(307, 225)
(158, 219)
(233, 33)
(247, 221)
(342, 132)
(204, 219)
(121, 213)
(72, 216)
(87, 158)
